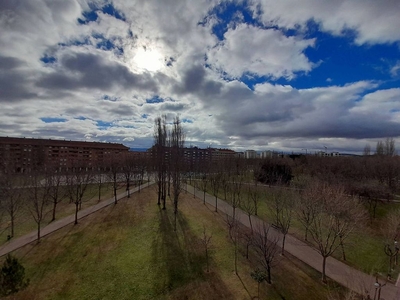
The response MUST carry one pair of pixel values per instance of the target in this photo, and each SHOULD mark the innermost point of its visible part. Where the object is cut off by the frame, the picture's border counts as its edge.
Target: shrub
(12, 277)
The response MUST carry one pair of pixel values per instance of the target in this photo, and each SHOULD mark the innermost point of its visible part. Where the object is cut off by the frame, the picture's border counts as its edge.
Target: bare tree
(77, 182)
(114, 164)
(233, 234)
(283, 207)
(248, 237)
(391, 232)
(38, 198)
(249, 208)
(203, 184)
(215, 181)
(129, 172)
(236, 186)
(177, 144)
(389, 147)
(160, 157)
(206, 242)
(380, 150)
(367, 150)
(11, 186)
(307, 206)
(254, 194)
(266, 246)
(336, 217)
(57, 191)
(99, 179)
(141, 167)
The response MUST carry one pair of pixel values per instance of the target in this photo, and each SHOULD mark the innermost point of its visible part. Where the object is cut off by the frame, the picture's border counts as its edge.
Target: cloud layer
(101, 70)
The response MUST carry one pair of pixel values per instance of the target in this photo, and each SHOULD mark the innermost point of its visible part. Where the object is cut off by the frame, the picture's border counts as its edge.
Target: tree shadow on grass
(179, 261)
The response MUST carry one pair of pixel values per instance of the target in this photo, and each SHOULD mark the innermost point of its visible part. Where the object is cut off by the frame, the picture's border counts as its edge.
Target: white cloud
(86, 85)
(248, 49)
(395, 70)
(373, 21)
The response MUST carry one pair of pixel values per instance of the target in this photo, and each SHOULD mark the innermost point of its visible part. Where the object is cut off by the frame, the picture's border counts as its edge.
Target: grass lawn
(24, 222)
(130, 251)
(364, 248)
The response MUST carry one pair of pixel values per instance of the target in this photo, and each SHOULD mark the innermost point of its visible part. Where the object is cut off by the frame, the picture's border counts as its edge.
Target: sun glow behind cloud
(148, 59)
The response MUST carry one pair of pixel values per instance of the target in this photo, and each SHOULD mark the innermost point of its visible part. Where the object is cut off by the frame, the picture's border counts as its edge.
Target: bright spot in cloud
(148, 59)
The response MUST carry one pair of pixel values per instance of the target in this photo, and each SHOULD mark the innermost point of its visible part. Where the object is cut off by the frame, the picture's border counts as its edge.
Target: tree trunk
(236, 271)
(76, 212)
(251, 224)
(164, 195)
(38, 232)
(342, 247)
(208, 269)
(283, 245)
(174, 221)
(306, 235)
(216, 203)
(324, 269)
(159, 193)
(99, 192)
(54, 211)
(128, 189)
(269, 274)
(12, 225)
(204, 196)
(115, 195)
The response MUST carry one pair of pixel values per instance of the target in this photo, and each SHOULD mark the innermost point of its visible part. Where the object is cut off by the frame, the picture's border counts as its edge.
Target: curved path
(335, 269)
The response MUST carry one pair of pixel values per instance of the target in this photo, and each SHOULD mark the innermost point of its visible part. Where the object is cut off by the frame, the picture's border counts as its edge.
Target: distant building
(322, 153)
(217, 154)
(250, 154)
(25, 154)
(266, 154)
(326, 154)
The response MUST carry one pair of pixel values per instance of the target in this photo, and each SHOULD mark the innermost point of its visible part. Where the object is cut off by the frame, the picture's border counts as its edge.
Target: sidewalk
(335, 269)
(14, 244)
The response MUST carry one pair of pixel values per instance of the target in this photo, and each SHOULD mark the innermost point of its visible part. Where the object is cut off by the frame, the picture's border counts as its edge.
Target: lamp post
(378, 286)
(391, 251)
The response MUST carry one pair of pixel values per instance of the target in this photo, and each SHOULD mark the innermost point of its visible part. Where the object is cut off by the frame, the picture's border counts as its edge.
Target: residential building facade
(23, 155)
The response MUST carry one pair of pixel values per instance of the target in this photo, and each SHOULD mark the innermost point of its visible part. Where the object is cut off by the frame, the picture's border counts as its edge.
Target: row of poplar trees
(168, 156)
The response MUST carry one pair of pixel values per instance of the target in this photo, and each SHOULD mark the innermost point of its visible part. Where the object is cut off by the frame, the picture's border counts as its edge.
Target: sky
(282, 75)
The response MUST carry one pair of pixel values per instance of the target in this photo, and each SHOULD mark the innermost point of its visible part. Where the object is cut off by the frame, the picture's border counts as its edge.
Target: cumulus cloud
(262, 52)
(372, 21)
(97, 73)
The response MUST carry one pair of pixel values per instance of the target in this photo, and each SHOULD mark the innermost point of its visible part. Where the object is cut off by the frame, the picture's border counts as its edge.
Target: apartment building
(250, 154)
(25, 154)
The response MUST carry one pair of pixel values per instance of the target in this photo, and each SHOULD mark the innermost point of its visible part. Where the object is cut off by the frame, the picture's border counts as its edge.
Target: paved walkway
(335, 269)
(14, 244)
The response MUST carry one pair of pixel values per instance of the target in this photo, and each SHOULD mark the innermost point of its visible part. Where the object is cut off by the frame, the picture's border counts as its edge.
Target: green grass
(130, 251)
(364, 247)
(24, 222)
